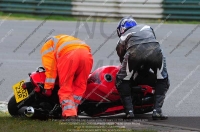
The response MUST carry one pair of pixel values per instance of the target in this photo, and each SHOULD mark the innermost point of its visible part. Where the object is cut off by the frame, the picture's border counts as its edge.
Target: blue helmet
(124, 24)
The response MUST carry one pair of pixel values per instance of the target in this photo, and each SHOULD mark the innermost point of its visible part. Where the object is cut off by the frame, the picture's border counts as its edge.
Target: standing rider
(137, 48)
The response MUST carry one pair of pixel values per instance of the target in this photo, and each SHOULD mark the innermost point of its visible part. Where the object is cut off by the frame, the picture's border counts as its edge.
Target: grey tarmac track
(183, 97)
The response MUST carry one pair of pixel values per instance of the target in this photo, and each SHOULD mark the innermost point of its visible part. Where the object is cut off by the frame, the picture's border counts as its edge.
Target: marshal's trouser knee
(73, 70)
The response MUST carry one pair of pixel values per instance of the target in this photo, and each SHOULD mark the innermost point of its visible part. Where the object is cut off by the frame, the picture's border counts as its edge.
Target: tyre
(12, 106)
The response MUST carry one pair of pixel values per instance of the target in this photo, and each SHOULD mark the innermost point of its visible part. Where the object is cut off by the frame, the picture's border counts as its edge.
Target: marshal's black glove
(41, 89)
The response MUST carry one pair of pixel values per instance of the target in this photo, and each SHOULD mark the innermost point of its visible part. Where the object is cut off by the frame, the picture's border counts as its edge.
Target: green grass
(166, 21)
(179, 22)
(18, 16)
(11, 124)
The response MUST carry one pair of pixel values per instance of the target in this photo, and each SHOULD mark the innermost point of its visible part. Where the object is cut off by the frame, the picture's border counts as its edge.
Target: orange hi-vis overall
(69, 59)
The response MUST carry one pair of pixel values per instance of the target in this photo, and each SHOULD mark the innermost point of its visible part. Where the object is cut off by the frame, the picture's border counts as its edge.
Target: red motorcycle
(101, 96)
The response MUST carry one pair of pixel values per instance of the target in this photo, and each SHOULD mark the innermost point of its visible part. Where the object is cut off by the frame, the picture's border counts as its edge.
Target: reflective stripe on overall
(58, 47)
(69, 104)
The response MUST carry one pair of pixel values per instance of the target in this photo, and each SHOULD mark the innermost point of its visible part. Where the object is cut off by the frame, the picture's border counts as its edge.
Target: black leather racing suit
(137, 48)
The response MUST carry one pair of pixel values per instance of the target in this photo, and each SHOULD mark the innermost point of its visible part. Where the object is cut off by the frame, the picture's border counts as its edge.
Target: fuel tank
(101, 85)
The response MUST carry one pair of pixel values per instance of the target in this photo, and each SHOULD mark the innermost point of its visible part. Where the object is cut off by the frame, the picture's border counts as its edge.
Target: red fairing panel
(112, 110)
(38, 77)
(101, 85)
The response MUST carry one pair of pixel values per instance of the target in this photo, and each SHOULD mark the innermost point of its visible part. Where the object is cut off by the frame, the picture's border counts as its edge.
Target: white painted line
(3, 102)
(3, 107)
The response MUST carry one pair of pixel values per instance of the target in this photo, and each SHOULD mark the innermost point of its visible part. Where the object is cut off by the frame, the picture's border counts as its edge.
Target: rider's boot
(124, 89)
(161, 88)
(128, 106)
(157, 112)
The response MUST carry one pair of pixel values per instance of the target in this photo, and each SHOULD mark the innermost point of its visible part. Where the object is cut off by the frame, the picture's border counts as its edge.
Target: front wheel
(12, 106)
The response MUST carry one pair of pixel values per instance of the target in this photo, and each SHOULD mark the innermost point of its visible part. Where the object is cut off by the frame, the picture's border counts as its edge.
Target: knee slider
(162, 86)
(123, 87)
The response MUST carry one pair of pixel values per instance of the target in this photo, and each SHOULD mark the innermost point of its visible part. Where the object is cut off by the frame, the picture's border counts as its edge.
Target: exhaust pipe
(29, 111)
(26, 111)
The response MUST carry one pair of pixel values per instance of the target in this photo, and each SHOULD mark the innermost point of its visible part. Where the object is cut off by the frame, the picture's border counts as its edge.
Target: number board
(19, 92)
